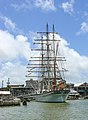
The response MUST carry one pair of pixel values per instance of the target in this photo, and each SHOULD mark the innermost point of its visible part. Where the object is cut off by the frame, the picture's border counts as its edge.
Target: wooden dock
(10, 103)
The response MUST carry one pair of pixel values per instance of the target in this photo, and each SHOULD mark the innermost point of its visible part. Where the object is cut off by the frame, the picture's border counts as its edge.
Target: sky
(21, 19)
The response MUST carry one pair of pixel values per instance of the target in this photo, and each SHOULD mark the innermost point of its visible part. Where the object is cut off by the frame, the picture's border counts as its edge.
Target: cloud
(68, 7)
(8, 23)
(12, 47)
(26, 5)
(85, 15)
(83, 28)
(43, 4)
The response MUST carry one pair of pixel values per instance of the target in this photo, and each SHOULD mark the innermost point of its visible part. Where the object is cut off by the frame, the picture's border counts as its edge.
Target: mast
(47, 37)
(42, 64)
(54, 61)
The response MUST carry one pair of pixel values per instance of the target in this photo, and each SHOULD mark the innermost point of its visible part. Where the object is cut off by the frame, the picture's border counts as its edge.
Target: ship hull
(53, 97)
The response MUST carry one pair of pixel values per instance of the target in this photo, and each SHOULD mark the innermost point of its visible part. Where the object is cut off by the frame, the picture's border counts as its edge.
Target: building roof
(84, 84)
(81, 84)
(4, 92)
(16, 85)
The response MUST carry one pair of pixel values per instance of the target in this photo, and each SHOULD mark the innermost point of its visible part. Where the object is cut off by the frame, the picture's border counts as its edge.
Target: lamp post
(8, 83)
(2, 83)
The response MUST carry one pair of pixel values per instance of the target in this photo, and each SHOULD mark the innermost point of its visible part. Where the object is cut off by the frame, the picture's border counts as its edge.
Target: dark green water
(72, 110)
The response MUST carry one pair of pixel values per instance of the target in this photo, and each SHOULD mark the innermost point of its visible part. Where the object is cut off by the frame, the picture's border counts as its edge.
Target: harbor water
(72, 110)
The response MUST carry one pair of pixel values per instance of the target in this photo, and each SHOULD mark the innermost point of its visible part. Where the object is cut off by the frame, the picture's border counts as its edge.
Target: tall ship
(45, 67)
